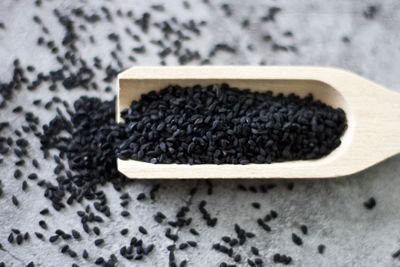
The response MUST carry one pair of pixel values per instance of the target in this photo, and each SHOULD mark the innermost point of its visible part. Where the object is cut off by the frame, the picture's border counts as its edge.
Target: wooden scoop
(373, 115)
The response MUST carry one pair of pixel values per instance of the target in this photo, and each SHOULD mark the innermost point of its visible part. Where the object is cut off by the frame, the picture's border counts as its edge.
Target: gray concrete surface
(332, 209)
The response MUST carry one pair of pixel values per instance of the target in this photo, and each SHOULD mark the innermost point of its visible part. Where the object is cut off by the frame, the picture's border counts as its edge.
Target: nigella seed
(321, 249)
(17, 109)
(148, 249)
(53, 238)
(72, 253)
(193, 231)
(96, 230)
(11, 238)
(39, 235)
(85, 254)
(237, 258)
(124, 231)
(273, 214)
(76, 234)
(370, 203)
(64, 248)
(142, 230)
(43, 224)
(297, 240)
(125, 213)
(86, 228)
(141, 196)
(59, 232)
(304, 229)
(19, 239)
(99, 261)
(255, 251)
(99, 242)
(16, 231)
(192, 243)
(31, 264)
(17, 174)
(226, 239)
(256, 205)
(44, 211)
(32, 176)
(183, 246)
(35, 163)
(15, 201)
(24, 185)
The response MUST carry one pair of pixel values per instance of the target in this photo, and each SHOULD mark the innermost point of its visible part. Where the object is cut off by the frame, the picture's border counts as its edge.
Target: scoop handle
(391, 127)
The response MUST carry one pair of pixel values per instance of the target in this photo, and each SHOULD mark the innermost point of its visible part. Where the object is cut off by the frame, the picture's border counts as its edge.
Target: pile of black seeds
(76, 220)
(221, 124)
(90, 143)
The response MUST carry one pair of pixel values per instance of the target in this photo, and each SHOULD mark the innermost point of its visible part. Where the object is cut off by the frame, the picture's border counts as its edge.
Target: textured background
(332, 209)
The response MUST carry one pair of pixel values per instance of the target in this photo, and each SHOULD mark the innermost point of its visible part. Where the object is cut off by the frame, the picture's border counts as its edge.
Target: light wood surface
(373, 114)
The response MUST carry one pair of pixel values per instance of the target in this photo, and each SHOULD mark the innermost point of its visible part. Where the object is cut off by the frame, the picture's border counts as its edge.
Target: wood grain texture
(373, 113)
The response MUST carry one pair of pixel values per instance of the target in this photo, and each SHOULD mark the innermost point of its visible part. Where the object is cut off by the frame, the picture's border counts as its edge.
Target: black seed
(124, 231)
(43, 224)
(256, 205)
(290, 186)
(17, 109)
(59, 232)
(273, 214)
(44, 211)
(99, 242)
(85, 254)
(11, 238)
(254, 250)
(16, 231)
(96, 230)
(53, 238)
(237, 258)
(304, 229)
(183, 246)
(321, 249)
(15, 201)
(39, 235)
(142, 230)
(99, 261)
(24, 185)
(125, 213)
(26, 236)
(370, 203)
(192, 243)
(193, 231)
(141, 196)
(64, 248)
(19, 239)
(297, 240)
(76, 234)
(32, 176)
(17, 174)
(35, 163)
(72, 253)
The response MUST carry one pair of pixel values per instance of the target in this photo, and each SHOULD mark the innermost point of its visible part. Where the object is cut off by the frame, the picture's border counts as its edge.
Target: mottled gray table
(332, 209)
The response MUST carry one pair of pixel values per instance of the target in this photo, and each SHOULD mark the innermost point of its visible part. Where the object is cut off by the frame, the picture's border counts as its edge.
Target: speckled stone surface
(332, 209)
